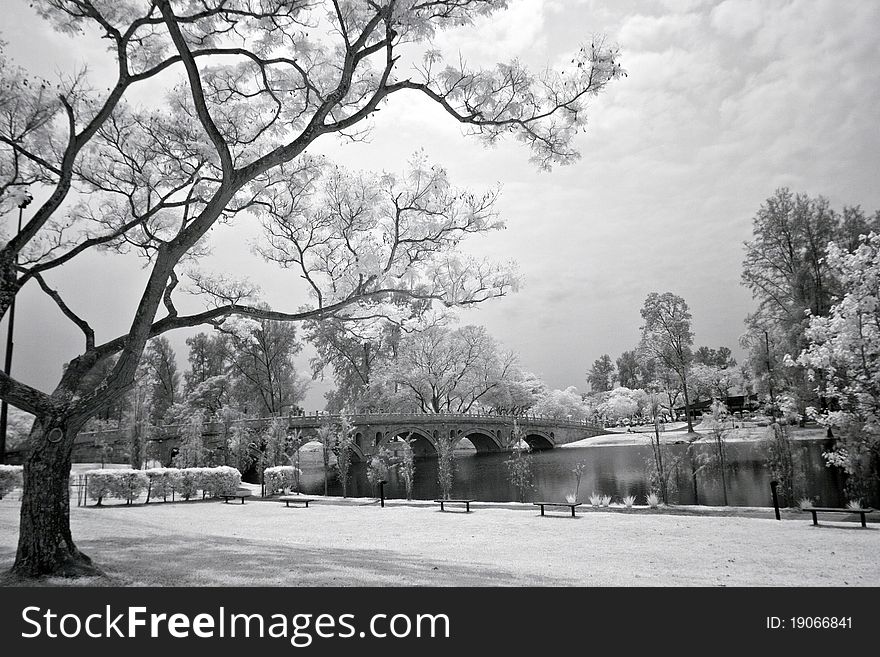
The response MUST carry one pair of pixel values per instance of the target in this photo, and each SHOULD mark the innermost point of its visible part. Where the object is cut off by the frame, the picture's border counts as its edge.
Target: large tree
(667, 339)
(786, 270)
(254, 86)
(843, 359)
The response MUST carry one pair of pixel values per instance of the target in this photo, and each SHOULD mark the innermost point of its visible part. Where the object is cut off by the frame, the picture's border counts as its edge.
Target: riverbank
(671, 437)
(357, 543)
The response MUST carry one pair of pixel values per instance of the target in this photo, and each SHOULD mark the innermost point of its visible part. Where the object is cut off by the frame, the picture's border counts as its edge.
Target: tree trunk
(45, 545)
(687, 405)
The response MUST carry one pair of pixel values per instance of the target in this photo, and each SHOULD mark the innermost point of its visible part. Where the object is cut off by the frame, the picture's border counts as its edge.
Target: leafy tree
(161, 363)
(843, 358)
(441, 370)
(561, 405)
(353, 354)
(786, 269)
(207, 359)
(342, 449)
(601, 375)
(263, 369)
(250, 93)
(712, 381)
(192, 444)
(667, 339)
(379, 467)
(622, 403)
(721, 358)
(628, 374)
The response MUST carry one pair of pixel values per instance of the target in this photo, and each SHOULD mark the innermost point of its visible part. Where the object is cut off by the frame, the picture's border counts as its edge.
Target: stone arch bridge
(373, 431)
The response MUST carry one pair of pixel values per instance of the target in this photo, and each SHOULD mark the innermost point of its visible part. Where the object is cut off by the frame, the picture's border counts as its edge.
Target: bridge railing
(367, 417)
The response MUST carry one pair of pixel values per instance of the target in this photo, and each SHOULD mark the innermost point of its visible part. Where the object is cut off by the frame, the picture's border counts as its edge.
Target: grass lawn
(356, 543)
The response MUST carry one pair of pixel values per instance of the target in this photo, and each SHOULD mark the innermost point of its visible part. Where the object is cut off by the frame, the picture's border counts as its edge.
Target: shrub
(122, 484)
(595, 499)
(629, 500)
(605, 500)
(280, 477)
(10, 478)
(129, 484)
(854, 505)
(804, 502)
(162, 482)
(653, 500)
(221, 480)
(571, 498)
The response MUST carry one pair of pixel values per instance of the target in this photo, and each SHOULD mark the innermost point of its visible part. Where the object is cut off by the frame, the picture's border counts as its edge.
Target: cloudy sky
(723, 103)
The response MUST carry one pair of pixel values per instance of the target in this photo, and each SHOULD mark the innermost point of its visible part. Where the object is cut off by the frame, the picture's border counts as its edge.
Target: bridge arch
(357, 454)
(483, 440)
(424, 442)
(539, 440)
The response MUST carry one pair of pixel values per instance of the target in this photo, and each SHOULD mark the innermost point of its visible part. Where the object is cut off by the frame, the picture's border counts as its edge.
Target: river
(610, 470)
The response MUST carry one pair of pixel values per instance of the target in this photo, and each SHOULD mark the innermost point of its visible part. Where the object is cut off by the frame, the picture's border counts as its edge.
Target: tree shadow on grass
(220, 561)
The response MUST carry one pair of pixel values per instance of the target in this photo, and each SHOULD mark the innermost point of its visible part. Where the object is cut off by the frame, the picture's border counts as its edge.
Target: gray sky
(724, 102)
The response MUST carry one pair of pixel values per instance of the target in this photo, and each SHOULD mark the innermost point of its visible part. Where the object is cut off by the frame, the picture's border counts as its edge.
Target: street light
(7, 367)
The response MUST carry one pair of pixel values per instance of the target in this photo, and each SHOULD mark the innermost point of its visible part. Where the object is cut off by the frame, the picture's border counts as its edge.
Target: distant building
(735, 404)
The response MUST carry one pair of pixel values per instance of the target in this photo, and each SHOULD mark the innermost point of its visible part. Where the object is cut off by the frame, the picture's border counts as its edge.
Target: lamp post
(7, 366)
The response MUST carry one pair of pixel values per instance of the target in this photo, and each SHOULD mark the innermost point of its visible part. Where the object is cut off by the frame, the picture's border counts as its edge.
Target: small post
(773, 485)
(382, 492)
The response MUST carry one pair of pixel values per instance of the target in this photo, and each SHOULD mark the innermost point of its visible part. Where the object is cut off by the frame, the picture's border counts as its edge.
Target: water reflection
(610, 470)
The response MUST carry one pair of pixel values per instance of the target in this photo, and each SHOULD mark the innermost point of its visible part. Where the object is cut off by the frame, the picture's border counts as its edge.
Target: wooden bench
(239, 494)
(467, 504)
(295, 499)
(821, 509)
(571, 505)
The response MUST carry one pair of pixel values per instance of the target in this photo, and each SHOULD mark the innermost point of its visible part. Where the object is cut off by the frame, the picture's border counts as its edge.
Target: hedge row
(128, 485)
(279, 477)
(10, 478)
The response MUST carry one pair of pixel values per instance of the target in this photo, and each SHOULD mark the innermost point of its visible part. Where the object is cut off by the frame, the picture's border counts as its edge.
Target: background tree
(261, 362)
(192, 444)
(207, 359)
(667, 339)
(342, 448)
(161, 362)
(628, 373)
(249, 96)
(601, 376)
(622, 403)
(561, 405)
(442, 370)
(353, 351)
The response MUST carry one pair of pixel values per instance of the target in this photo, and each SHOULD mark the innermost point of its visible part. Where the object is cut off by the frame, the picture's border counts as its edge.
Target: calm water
(611, 470)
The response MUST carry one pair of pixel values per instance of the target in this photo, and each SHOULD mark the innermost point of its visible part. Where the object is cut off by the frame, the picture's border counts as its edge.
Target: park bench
(239, 494)
(821, 509)
(571, 505)
(467, 504)
(295, 499)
